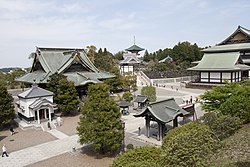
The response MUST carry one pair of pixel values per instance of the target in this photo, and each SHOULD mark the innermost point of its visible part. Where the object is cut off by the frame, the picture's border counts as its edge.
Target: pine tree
(100, 122)
(7, 112)
(65, 94)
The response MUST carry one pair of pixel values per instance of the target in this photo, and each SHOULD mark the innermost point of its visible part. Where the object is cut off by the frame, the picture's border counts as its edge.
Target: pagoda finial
(134, 39)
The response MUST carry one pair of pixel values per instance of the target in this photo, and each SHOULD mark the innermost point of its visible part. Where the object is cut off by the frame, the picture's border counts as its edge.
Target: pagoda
(130, 59)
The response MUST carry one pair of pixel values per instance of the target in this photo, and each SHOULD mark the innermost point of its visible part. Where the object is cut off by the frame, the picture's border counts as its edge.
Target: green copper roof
(163, 111)
(220, 62)
(48, 61)
(228, 48)
(134, 48)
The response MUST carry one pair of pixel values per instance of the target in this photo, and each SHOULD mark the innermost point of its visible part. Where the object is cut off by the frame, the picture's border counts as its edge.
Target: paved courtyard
(40, 148)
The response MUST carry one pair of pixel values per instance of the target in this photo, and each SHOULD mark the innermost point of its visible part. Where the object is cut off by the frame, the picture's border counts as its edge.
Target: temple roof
(163, 111)
(123, 104)
(130, 58)
(72, 62)
(38, 103)
(141, 99)
(228, 48)
(134, 48)
(240, 35)
(34, 92)
(229, 61)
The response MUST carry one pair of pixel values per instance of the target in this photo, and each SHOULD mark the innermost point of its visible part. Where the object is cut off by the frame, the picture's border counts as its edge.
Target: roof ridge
(162, 101)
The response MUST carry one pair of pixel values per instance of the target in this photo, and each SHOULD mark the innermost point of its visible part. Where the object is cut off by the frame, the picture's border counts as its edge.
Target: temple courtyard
(59, 147)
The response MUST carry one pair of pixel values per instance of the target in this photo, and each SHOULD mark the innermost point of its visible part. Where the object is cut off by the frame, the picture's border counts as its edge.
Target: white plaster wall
(27, 102)
(204, 74)
(226, 76)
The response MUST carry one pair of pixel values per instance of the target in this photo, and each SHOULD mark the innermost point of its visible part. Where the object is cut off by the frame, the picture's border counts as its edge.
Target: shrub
(222, 126)
(141, 156)
(130, 146)
(189, 145)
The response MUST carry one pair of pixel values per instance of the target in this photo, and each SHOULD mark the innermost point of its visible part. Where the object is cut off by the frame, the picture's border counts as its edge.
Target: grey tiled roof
(34, 92)
(163, 111)
(140, 99)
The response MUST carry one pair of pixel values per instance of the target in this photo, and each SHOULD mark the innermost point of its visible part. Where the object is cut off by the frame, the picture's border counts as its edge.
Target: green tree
(144, 156)
(7, 112)
(129, 81)
(116, 82)
(231, 99)
(104, 60)
(119, 55)
(146, 56)
(189, 145)
(91, 51)
(222, 126)
(100, 123)
(150, 92)
(128, 96)
(65, 94)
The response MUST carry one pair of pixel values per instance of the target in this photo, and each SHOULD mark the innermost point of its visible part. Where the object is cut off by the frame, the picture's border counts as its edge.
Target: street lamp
(123, 135)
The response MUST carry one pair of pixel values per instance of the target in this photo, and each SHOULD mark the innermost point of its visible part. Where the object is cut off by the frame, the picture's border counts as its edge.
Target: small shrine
(161, 112)
(36, 104)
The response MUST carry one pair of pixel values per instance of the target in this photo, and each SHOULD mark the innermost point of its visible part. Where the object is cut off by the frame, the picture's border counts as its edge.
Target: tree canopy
(231, 99)
(65, 94)
(150, 92)
(143, 156)
(7, 113)
(189, 145)
(100, 123)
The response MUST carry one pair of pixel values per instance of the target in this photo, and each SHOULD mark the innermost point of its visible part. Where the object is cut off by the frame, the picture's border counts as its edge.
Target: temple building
(226, 61)
(130, 60)
(161, 112)
(71, 62)
(36, 104)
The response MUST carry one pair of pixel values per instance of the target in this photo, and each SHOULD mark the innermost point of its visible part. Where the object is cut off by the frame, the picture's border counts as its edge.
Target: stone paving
(64, 138)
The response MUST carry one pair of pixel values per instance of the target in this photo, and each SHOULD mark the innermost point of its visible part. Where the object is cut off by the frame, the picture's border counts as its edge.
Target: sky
(112, 24)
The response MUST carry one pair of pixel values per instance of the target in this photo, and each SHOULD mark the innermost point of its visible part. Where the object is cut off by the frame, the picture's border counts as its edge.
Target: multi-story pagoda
(228, 60)
(130, 59)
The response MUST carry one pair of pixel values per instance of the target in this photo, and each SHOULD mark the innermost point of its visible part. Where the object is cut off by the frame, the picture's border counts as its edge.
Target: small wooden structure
(141, 100)
(161, 112)
(124, 105)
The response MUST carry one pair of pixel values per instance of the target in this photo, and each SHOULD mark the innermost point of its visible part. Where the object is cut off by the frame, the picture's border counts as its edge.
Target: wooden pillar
(50, 114)
(160, 132)
(38, 117)
(147, 130)
(175, 122)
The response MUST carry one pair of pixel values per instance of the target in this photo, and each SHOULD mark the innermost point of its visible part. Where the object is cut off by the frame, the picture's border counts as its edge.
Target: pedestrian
(191, 99)
(4, 151)
(12, 130)
(49, 126)
(139, 131)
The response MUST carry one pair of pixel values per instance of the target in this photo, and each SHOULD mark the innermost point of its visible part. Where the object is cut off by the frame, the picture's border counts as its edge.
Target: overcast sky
(157, 24)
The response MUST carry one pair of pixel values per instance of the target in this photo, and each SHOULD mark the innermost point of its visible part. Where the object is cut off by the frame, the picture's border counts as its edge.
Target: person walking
(4, 151)
(49, 126)
(12, 130)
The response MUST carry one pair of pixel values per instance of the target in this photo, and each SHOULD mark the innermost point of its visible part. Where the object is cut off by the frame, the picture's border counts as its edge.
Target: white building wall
(204, 76)
(215, 77)
(25, 103)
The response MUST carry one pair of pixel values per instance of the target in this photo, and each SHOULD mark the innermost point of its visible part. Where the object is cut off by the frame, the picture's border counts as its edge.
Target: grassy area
(235, 150)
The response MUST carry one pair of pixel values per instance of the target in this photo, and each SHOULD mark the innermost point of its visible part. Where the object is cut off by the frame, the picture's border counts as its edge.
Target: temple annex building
(226, 61)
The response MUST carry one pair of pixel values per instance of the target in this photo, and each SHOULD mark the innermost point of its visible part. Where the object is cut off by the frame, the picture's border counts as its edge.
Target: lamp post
(123, 135)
